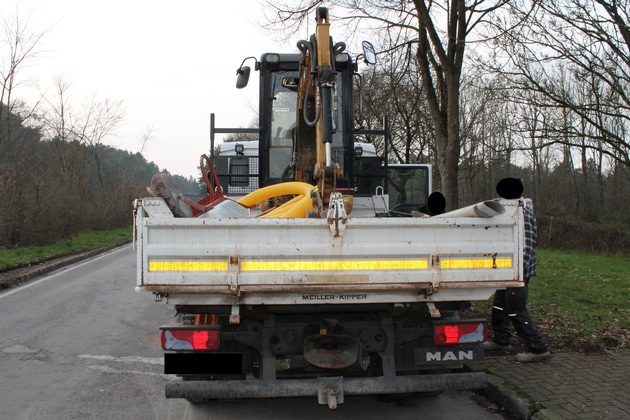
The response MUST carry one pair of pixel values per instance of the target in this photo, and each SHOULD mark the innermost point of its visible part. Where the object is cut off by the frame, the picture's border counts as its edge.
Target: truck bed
(235, 261)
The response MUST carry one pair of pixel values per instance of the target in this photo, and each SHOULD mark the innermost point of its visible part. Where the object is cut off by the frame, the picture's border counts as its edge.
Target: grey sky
(171, 63)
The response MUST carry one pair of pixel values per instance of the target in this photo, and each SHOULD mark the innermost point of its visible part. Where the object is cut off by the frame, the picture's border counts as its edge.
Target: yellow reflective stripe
(334, 265)
(188, 266)
(476, 263)
(330, 265)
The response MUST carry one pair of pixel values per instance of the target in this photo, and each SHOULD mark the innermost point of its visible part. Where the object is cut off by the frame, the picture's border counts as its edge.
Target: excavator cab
(285, 148)
(306, 130)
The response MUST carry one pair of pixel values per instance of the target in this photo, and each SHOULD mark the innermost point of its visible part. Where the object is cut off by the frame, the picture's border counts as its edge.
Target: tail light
(460, 333)
(190, 338)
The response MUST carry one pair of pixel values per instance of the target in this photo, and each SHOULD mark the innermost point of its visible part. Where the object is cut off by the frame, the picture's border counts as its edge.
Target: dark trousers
(510, 307)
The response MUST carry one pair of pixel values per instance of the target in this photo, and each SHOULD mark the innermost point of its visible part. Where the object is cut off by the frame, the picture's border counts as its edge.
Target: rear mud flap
(329, 391)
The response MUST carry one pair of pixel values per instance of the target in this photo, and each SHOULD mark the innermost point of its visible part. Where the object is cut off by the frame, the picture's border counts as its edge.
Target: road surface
(81, 343)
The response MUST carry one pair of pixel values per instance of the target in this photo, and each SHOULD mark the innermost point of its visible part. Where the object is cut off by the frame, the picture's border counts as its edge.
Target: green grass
(84, 241)
(580, 300)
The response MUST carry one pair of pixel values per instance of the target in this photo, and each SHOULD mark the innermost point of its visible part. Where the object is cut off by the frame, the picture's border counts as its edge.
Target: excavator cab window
(283, 112)
(408, 187)
(283, 116)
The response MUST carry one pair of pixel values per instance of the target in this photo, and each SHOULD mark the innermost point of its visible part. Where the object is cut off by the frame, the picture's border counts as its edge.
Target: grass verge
(579, 301)
(84, 241)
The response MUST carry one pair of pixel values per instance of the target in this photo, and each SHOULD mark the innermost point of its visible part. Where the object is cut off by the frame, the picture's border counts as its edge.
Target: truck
(312, 266)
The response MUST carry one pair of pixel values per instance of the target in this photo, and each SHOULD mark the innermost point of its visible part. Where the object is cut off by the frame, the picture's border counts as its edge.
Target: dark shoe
(492, 346)
(528, 357)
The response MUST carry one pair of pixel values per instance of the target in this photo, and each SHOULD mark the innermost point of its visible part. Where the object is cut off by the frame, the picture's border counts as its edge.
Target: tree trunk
(441, 74)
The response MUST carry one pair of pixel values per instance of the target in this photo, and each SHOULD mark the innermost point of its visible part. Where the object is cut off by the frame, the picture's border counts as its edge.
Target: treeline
(535, 89)
(540, 92)
(490, 88)
(51, 189)
(579, 189)
(57, 175)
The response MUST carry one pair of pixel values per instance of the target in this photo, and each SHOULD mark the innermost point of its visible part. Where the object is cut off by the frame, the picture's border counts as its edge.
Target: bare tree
(393, 89)
(100, 120)
(439, 31)
(88, 126)
(79, 158)
(19, 48)
(18, 140)
(487, 137)
(556, 48)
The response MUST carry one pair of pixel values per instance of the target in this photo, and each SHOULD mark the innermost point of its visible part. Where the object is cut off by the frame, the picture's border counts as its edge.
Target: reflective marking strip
(373, 265)
(334, 265)
(188, 266)
(476, 263)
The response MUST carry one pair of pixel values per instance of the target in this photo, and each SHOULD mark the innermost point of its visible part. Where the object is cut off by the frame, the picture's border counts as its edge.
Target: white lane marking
(52, 276)
(19, 349)
(109, 369)
(109, 360)
(124, 359)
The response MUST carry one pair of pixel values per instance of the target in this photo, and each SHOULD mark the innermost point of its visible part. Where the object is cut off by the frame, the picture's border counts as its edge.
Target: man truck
(312, 267)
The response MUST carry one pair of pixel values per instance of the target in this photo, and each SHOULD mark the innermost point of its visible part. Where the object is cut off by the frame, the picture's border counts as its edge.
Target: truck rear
(265, 304)
(343, 280)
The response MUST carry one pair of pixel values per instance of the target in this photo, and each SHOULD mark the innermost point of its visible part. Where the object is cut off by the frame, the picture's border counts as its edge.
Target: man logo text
(447, 356)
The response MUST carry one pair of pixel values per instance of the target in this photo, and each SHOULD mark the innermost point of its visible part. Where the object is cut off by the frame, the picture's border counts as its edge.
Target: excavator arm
(314, 128)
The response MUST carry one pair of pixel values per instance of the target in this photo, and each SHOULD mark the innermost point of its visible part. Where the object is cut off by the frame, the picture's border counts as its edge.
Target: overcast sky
(171, 63)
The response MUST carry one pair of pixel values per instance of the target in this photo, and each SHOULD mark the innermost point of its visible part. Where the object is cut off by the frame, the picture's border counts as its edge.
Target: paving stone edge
(512, 400)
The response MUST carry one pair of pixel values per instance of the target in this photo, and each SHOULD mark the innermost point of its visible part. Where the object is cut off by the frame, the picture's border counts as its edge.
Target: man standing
(510, 305)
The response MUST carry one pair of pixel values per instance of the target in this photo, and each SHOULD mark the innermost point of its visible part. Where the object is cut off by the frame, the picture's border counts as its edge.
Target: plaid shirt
(529, 250)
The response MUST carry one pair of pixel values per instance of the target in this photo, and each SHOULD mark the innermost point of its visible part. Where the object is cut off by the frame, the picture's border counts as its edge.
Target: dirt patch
(613, 338)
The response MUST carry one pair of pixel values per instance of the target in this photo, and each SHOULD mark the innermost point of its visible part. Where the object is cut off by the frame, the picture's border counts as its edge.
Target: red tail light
(476, 332)
(190, 339)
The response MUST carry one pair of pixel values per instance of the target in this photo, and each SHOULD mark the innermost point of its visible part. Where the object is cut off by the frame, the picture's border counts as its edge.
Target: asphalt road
(81, 343)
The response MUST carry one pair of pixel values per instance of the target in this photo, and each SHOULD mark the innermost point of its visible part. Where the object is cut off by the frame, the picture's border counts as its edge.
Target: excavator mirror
(369, 55)
(242, 77)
